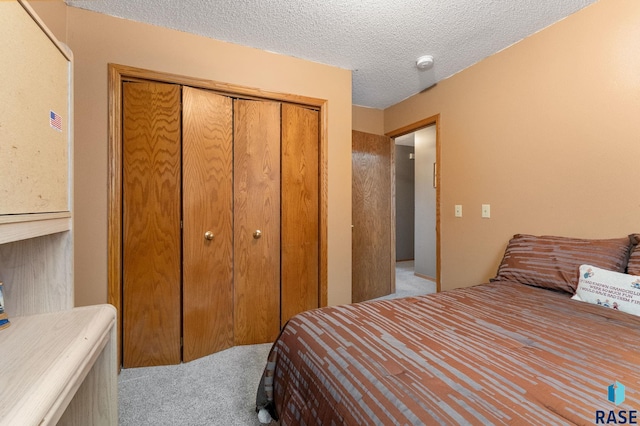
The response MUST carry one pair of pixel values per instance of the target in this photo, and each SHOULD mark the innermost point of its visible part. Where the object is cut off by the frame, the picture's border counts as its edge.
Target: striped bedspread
(498, 353)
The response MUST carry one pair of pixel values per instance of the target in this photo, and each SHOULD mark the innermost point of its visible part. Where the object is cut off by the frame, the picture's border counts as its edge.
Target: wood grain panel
(117, 74)
(25, 226)
(96, 400)
(256, 207)
(207, 170)
(372, 213)
(300, 214)
(46, 359)
(34, 177)
(151, 224)
(37, 274)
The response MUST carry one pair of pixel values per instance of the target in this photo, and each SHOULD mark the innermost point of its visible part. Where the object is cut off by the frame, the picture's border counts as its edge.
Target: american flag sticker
(55, 121)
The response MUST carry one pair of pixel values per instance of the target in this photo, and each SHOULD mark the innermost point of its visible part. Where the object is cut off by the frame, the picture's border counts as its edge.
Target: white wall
(425, 202)
(405, 202)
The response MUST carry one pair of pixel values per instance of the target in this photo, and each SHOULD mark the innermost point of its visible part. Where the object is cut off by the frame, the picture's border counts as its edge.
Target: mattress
(497, 353)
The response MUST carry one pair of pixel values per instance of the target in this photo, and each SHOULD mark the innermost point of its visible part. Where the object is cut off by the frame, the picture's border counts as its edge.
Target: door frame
(117, 74)
(410, 128)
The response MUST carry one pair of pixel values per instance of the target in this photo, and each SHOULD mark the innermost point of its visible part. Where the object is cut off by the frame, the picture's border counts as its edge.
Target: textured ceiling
(379, 40)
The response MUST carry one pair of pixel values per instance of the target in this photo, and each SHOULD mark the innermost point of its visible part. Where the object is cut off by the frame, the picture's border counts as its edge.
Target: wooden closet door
(256, 221)
(300, 210)
(207, 138)
(151, 224)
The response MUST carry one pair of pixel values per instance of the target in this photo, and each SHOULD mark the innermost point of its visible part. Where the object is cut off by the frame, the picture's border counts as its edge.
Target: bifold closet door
(151, 224)
(256, 221)
(300, 210)
(207, 144)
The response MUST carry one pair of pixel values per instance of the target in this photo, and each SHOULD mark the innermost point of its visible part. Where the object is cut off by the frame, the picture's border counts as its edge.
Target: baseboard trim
(426, 277)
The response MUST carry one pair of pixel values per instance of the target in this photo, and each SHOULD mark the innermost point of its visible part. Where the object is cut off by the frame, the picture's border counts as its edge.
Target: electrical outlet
(486, 211)
(458, 210)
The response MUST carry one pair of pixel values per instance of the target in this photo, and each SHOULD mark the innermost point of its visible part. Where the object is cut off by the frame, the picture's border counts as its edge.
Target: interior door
(373, 251)
(151, 224)
(256, 221)
(207, 144)
(300, 210)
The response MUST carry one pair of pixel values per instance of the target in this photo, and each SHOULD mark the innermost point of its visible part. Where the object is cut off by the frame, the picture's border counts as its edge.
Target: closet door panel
(300, 210)
(151, 224)
(257, 221)
(208, 223)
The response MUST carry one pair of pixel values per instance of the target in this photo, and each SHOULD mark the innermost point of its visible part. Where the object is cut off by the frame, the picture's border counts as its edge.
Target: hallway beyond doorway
(408, 284)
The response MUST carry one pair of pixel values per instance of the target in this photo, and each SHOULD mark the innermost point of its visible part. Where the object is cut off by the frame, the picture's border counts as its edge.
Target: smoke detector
(424, 62)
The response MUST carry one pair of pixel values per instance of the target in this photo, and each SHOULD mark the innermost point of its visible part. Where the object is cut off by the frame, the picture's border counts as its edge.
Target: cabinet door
(257, 221)
(207, 129)
(300, 210)
(34, 117)
(151, 224)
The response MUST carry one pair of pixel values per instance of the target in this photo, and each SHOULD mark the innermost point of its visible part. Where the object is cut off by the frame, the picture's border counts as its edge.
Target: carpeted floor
(216, 390)
(408, 284)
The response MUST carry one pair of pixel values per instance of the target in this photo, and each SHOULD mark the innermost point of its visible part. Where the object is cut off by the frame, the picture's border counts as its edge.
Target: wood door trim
(410, 128)
(392, 179)
(119, 73)
(114, 201)
(232, 90)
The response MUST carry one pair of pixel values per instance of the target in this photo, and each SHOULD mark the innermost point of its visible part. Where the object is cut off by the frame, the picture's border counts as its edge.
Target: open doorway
(374, 272)
(417, 200)
(415, 206)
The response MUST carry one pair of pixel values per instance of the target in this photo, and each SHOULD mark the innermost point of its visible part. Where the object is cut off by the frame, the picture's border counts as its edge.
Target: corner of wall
(368, 120)
(54, 14)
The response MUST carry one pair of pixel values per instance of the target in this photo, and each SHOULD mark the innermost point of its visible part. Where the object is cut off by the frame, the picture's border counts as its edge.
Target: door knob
(208, 235)
(257, 234)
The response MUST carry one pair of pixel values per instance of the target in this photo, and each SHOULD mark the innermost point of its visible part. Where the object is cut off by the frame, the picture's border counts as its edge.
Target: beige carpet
(408, 284)
(216, 390)
(219, 389)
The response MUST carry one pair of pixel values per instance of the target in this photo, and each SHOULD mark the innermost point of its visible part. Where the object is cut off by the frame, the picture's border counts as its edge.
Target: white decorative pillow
(610, 289)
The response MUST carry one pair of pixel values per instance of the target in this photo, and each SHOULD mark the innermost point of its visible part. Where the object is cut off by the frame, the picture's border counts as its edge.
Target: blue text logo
(615, 393)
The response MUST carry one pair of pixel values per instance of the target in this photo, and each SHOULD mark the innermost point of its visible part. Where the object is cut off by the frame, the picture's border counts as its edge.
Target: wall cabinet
(58, 362)
(35, 123)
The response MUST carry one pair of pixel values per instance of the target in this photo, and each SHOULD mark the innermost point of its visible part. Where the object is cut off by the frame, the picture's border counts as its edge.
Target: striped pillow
(553, 262)
(633, 267)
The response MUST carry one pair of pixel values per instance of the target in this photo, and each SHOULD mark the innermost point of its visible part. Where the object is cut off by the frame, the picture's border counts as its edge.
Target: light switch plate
(486, 211)
(458, 210)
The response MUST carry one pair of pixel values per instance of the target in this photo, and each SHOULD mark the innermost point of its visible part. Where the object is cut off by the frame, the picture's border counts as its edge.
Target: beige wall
(99, 39)
(54, 14)
(546, 131)
(369, 120)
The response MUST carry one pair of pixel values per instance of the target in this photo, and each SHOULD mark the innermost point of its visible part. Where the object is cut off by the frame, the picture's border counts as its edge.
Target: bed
(503, 352)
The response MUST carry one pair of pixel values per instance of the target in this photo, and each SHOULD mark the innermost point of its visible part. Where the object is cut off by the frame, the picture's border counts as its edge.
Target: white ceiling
(379, 40)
